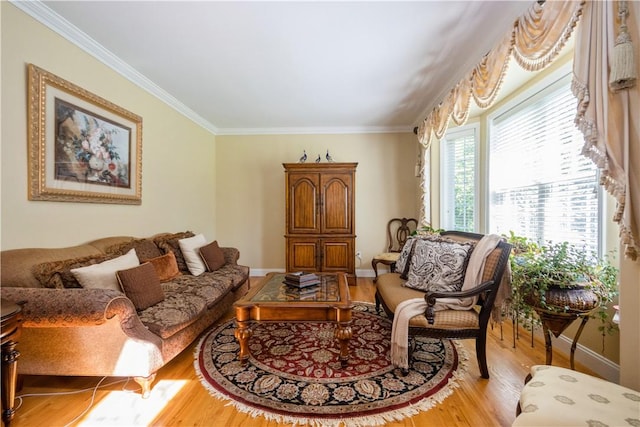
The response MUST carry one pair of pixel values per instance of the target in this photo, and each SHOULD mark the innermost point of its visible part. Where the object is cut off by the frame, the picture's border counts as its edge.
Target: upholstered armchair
(441, 318)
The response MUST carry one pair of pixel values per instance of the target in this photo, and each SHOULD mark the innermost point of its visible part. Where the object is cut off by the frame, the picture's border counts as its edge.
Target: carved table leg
(243, 333)
(343, 334)
(9, 375)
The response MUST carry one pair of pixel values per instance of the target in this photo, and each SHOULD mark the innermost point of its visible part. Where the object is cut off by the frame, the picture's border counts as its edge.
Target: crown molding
(43, 14)
(315, 130)
(46, 16)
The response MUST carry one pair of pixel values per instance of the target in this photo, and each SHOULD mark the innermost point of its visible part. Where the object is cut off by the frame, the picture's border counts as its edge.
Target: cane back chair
(452, 324)
(398, 231)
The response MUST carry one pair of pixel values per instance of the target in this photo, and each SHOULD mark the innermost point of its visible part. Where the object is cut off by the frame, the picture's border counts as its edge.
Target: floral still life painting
(90, 148)
(82, 148)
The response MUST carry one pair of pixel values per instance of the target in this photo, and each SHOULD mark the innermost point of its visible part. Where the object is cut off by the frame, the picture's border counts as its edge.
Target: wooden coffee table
(268, 302)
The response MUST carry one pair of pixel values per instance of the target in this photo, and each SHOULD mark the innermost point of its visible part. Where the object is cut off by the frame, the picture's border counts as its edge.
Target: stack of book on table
(301, 279)
(301, 285)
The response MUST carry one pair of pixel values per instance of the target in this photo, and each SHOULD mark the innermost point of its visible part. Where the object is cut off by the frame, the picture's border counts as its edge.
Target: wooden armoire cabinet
(320, 217)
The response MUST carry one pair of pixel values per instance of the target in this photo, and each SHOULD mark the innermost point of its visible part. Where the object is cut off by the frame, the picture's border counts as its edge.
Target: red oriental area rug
(294, 373)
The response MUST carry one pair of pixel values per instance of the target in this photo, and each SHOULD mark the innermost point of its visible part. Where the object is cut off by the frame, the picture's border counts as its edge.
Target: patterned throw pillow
(145, 248)
(141, 285)
(401, 264)
(437, 264)
(57, 274)
(169, 243)
(166, 266)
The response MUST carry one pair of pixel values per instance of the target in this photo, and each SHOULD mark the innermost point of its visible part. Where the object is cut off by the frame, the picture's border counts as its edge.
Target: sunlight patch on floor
(130, 409)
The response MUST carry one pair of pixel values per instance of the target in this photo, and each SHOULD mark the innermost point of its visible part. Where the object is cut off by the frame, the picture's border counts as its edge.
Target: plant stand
(556, 323)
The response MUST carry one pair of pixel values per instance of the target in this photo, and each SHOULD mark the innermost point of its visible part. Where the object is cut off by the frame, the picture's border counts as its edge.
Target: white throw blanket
(408, 309)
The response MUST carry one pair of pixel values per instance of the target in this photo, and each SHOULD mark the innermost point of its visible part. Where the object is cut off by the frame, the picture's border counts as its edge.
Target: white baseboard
(365, 273)
(589, 358)
(259, 272)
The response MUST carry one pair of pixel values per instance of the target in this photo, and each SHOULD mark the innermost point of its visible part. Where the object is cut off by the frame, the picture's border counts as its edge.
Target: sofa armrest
(231, 255)
(47, 308)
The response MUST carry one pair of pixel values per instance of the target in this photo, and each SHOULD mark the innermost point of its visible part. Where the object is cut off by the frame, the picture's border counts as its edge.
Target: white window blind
(458, 179)
(540, 184)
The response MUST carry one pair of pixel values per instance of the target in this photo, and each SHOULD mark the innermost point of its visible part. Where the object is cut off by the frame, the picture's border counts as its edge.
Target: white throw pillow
(190, 250)
(103, 275)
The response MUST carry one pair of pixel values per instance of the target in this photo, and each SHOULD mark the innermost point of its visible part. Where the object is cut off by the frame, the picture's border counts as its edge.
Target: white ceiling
(265, 67)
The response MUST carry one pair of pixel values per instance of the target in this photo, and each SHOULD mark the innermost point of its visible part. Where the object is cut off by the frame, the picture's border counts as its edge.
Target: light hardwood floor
(178, 398)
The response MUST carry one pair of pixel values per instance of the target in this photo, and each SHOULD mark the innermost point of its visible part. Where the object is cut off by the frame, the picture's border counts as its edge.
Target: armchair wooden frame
(486, 292)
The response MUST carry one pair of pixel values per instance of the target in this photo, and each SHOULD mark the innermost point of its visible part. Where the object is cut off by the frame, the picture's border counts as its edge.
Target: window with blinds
(458, 178)
(540, 185)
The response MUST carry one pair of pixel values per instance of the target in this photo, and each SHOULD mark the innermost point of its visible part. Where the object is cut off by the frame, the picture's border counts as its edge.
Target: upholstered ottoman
(557, 396)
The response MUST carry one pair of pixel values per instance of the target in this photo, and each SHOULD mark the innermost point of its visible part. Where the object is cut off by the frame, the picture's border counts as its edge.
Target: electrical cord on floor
(93, 395)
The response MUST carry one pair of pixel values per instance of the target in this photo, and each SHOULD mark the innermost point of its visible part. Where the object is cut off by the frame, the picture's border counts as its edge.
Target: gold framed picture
(81, 147)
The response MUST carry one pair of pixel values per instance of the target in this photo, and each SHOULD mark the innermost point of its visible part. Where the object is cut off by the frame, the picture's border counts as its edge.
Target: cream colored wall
(178, 176)
(630, 324)
(251, 200)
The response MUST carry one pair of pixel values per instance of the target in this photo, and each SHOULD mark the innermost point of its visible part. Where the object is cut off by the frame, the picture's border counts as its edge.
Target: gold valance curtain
(604, 82)
(608, 112)
(534, 41)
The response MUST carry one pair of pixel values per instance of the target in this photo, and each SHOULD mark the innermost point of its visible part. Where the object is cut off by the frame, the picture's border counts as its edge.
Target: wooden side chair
(398, 231)
(449, 323)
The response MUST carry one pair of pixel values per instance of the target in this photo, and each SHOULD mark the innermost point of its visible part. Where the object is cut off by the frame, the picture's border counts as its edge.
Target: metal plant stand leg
(556, 323)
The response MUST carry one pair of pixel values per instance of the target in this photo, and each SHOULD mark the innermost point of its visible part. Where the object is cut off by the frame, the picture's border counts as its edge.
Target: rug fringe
(358, 421)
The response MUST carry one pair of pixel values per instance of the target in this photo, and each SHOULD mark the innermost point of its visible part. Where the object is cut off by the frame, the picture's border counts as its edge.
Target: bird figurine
(328, 157)
(318, 159)
(304, 156)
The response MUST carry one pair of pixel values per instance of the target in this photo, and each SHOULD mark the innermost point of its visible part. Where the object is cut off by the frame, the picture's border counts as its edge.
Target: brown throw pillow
(212, 256)
(141, 285)
(166, 266)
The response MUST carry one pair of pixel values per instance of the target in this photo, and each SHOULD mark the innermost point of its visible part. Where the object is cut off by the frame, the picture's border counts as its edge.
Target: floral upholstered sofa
(140, 318)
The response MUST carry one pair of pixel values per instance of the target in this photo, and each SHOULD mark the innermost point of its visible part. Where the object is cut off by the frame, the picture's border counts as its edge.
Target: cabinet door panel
(336, 203)
(303, 215)
(337, 255)
(302, 255)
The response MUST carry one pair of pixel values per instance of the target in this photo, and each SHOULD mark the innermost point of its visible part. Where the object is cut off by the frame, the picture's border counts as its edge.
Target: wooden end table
(10, 327)
(269, 302)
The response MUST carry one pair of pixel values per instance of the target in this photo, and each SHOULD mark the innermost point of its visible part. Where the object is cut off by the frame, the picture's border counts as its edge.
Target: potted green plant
(561, 278)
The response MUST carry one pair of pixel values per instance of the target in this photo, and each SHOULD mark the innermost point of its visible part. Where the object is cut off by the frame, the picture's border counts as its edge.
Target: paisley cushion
(437, 264)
